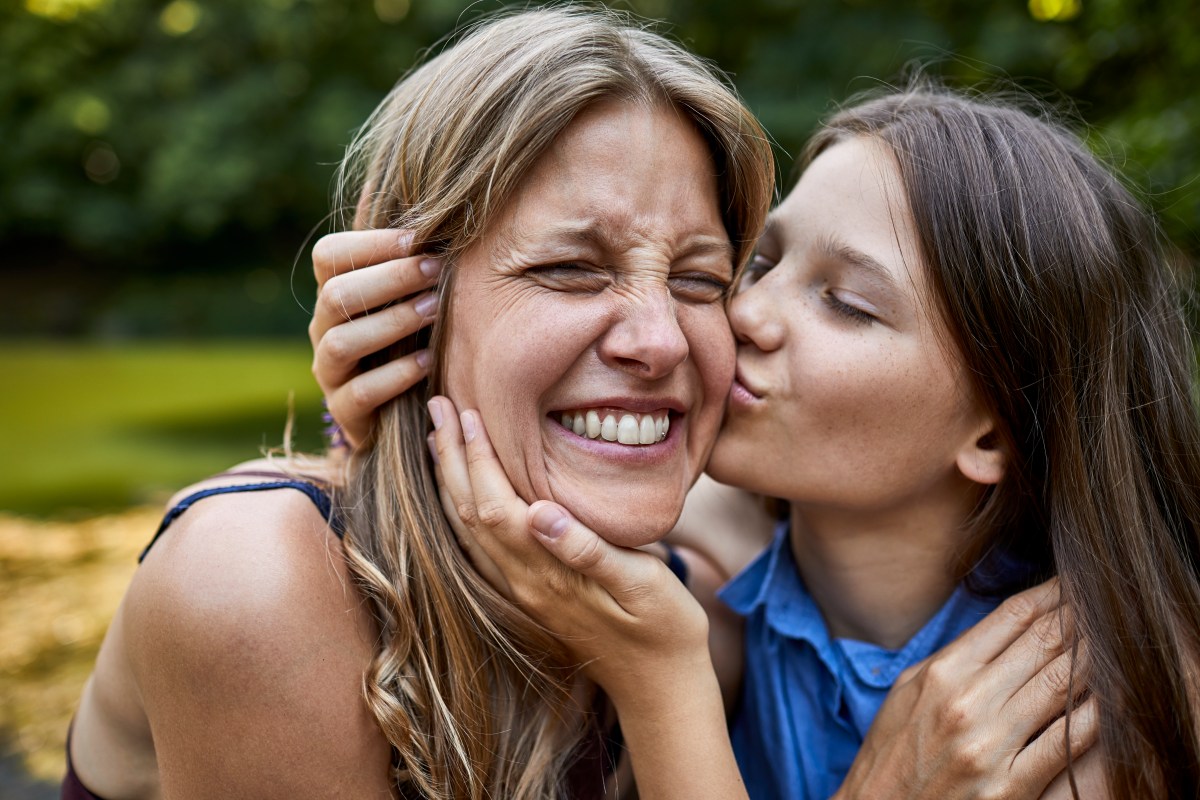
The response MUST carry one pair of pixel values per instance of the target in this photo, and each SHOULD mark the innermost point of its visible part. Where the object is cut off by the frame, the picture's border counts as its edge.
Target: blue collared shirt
(808, 698)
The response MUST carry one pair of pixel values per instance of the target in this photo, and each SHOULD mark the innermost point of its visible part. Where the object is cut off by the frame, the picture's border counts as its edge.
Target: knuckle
(1020, 609)
(335, 346)
(955, 715)
(467, 513)
(359, 394)
(491, 513)
(323, 255)
(588, 554)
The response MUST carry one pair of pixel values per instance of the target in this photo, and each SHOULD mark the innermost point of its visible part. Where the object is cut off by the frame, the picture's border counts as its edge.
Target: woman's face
(588, 327)
(845, 394)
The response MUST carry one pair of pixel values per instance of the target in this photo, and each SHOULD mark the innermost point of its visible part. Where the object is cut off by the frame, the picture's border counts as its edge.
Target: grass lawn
(102, 427)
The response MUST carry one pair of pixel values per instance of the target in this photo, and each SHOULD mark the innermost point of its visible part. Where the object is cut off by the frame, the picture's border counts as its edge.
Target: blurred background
(165, 167)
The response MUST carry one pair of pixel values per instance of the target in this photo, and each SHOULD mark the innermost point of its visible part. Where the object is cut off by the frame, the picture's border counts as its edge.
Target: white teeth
(627, 430)
(646, 431)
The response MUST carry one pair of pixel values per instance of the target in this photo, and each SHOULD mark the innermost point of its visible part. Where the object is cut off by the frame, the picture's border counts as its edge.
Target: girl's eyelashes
(852, 313)
(759, 266)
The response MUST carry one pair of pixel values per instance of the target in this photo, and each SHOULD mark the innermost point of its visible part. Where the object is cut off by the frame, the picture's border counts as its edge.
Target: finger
(337, 352)
(1047, 694)
(633, 578)
(479, 559)
(996, 632)
(1043, 759)
(497, 505)
(352, 294)
(346, 251)
(353, 403)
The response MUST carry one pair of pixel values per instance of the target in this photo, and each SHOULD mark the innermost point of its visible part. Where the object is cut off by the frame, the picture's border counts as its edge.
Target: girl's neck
(878, 577)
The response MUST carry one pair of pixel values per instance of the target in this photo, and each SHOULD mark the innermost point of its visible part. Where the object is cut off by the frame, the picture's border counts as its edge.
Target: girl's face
(846, 395)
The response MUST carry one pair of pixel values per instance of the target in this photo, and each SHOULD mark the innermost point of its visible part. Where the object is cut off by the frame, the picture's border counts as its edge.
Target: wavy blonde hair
(476, 699)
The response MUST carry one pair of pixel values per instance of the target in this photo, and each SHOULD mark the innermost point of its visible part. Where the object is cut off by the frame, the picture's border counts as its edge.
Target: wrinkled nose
(646, 339)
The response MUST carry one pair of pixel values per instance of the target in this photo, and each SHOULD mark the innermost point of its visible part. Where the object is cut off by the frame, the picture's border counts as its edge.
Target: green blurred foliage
(155, 154)
(103, 428)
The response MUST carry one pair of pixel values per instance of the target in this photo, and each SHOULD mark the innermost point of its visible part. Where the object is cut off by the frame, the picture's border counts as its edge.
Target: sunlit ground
(63, 582)
(95, 439)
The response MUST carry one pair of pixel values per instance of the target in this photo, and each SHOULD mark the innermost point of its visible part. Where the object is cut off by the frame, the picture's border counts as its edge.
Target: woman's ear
(983, 457)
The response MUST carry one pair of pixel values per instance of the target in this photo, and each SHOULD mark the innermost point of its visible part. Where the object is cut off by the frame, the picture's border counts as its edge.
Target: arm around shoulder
(248, 645)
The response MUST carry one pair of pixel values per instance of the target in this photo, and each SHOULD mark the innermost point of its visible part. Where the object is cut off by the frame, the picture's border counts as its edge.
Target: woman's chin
(620, 526)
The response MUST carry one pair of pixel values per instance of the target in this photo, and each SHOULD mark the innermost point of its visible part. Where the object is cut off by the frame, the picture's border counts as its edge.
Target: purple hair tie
(333, 431)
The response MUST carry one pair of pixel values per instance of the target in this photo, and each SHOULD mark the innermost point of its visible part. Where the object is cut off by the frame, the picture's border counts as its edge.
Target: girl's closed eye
(759, 266)
(851, 307)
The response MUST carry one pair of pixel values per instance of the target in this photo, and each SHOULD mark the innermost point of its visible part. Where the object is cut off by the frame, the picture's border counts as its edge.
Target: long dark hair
(1062, 298)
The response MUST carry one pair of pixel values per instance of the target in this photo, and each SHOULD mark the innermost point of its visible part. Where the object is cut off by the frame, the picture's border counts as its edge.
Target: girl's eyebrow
(840, 251)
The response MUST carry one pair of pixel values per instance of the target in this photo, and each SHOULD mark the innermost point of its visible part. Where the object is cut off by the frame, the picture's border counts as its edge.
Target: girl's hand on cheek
(619, 612)
(372, 292)
(983, 717)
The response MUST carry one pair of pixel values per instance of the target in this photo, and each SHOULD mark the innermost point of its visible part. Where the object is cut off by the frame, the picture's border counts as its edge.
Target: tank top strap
(314, 493)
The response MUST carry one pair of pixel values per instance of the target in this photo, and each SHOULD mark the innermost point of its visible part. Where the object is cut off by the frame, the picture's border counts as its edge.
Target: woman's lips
(659, 450)
(633, 428)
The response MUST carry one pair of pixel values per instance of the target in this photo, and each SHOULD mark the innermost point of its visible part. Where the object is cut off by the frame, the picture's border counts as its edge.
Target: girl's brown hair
(1058, 292)
(475, 699)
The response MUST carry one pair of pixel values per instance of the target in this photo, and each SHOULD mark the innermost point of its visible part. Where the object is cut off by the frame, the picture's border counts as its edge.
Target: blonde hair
(474, 697)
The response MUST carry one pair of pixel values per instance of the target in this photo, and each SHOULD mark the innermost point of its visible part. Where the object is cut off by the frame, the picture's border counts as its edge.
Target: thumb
(624, 573)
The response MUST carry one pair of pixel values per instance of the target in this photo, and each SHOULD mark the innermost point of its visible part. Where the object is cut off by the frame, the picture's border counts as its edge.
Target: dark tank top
(598, 760)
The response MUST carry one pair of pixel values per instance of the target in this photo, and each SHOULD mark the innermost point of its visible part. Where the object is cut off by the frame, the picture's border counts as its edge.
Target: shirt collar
(772, 583)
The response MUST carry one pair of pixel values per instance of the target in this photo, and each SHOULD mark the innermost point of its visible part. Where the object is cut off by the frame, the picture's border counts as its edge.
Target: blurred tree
(195, 137)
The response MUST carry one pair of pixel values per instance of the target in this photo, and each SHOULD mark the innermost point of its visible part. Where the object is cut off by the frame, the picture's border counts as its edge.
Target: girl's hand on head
(983, 717)
(370, 295)
(620, 612)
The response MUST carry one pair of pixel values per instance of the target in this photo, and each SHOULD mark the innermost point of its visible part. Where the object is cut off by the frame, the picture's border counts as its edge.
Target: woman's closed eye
(570, 276)
(698, 287)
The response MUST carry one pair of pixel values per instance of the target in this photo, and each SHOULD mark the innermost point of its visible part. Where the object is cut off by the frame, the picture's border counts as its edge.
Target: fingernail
(430, 267)
(550, 521)
(429, 440)
(426, 305)
(405, 240)
(422, 358)
(468, 425)
(435, 412)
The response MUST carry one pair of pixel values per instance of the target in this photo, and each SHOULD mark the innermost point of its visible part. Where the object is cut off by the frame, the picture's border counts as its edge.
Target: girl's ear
(983, 458)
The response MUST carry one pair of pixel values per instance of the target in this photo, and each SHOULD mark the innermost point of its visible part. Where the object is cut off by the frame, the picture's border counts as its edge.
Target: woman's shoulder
(242, 618)
(238, 558)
